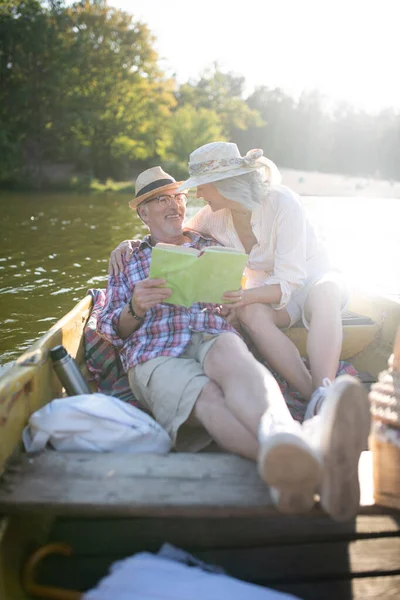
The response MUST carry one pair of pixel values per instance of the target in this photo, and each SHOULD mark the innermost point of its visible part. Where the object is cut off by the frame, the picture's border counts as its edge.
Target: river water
(56, 246)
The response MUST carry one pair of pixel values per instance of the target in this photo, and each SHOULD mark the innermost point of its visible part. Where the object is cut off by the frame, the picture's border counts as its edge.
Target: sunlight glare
(361, 235)
(348, 49)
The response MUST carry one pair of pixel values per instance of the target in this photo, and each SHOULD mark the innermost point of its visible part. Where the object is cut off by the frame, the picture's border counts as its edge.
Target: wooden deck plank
(142, 485)
(307, 565)
(326, 560)
(133, 484)
(127, 536)
(364, 588)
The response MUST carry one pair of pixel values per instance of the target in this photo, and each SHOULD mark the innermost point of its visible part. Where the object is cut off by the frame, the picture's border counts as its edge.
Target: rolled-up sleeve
(118, 294)
(290, 270)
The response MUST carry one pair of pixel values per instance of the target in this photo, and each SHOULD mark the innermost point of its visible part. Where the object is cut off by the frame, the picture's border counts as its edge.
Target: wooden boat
(106, 506)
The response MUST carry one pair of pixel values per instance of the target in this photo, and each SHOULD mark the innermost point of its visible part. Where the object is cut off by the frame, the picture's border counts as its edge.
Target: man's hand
(123, 250)
(230, 316)
(147, 294)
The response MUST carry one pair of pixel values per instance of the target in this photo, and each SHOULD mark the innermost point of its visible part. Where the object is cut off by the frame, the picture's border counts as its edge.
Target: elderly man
(194, 373)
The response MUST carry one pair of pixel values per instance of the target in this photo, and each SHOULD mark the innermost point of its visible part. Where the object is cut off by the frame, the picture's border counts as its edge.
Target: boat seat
(111, 484)
(358, 332)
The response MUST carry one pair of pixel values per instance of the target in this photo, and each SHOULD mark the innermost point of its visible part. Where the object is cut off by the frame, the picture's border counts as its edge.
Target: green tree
(188, 128)
(223, 94)
(387, 126)
(29, 82)
(78, 83)
(275, 136)
(311, 132)
(117, 96)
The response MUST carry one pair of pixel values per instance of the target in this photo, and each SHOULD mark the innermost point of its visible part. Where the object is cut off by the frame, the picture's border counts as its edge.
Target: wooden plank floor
(86, 574)
(367, 588)
(215, 506)
(362, 563)
(127, 535)
(129, 485)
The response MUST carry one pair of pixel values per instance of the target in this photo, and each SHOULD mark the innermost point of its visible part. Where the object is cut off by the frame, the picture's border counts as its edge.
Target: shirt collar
(195, 237)
(146, 242)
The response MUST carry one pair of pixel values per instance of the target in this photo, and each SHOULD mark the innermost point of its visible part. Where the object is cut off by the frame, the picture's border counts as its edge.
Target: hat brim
(264, 163)
(197, 180)
(135, 202)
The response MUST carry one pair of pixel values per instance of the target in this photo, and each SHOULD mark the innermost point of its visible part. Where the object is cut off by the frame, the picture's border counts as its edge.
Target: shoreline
(305, 183)
(313, 183)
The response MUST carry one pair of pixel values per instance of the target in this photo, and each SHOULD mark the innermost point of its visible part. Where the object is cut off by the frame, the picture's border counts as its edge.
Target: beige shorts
(297, 303)
(169, 387)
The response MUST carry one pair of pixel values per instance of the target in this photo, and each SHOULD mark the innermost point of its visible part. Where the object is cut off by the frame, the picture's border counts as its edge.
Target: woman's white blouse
(287, 252)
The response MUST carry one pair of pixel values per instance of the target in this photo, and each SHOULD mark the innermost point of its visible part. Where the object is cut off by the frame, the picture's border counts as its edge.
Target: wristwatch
(132, 312)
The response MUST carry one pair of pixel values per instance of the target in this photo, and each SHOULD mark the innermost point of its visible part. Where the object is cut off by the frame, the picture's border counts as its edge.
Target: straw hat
(151, 182)
(220, 160)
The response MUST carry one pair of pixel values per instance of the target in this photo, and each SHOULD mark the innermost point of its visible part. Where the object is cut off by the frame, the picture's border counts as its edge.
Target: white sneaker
(289, 465)
(314, 407)
(340, 433)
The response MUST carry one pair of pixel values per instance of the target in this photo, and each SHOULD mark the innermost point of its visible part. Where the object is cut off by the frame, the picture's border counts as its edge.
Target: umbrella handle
(43, 591)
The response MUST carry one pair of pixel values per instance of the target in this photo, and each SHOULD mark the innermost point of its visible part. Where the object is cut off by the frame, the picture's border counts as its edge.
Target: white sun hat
(220, 160)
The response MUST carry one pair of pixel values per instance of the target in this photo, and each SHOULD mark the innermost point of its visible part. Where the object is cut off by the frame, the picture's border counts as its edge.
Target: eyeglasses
(165, 200)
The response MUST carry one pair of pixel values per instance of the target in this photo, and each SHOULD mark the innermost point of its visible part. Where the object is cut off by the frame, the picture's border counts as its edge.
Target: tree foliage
(81, 84)
(188, 128)
(311, 135)
(222, 93)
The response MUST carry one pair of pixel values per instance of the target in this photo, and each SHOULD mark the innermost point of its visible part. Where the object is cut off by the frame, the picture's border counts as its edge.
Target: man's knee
(209, 397)
(227, 352)
(226, 341)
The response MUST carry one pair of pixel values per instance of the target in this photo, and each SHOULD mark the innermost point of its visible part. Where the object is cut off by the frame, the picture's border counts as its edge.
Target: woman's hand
(235, 299)
(265, 294)
(123, 250)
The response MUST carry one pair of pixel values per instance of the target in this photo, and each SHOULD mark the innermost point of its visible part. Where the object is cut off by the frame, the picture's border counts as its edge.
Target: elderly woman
(288, 275)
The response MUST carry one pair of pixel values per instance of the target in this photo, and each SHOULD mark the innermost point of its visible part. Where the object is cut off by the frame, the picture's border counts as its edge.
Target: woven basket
(385, 439)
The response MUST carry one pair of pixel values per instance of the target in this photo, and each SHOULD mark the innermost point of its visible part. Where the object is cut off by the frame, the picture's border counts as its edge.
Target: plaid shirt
(166, 329)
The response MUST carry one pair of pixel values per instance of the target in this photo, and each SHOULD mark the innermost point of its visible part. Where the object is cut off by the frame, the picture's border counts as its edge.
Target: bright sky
(348, 49)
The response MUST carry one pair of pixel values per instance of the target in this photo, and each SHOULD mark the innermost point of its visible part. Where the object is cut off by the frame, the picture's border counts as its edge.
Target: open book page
(224, 249)
(216, 273)
(179, 249)
(195, 278)
(176, 268)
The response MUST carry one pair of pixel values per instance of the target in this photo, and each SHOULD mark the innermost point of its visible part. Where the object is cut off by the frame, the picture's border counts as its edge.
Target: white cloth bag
(94, 422)
(148, 577)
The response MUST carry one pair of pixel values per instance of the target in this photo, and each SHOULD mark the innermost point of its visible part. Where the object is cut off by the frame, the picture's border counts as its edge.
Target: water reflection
(56, 246)
(53, 248)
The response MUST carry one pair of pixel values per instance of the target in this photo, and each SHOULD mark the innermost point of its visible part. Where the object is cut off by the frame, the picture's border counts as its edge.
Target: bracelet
(132, 312)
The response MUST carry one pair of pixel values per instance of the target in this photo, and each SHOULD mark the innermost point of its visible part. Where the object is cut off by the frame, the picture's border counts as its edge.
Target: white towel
(145, 576)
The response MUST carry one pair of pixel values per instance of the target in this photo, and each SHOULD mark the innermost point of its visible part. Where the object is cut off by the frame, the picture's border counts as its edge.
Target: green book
(197, 275)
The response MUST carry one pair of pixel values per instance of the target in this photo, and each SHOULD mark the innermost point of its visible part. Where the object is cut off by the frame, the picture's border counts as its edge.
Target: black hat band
(154, 185)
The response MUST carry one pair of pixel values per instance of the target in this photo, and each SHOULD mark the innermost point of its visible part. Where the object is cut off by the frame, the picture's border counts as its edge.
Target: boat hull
(32, 383)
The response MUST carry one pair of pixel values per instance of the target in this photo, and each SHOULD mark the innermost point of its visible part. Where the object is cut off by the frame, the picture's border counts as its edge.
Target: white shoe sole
(345, 425)
(292, 469)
